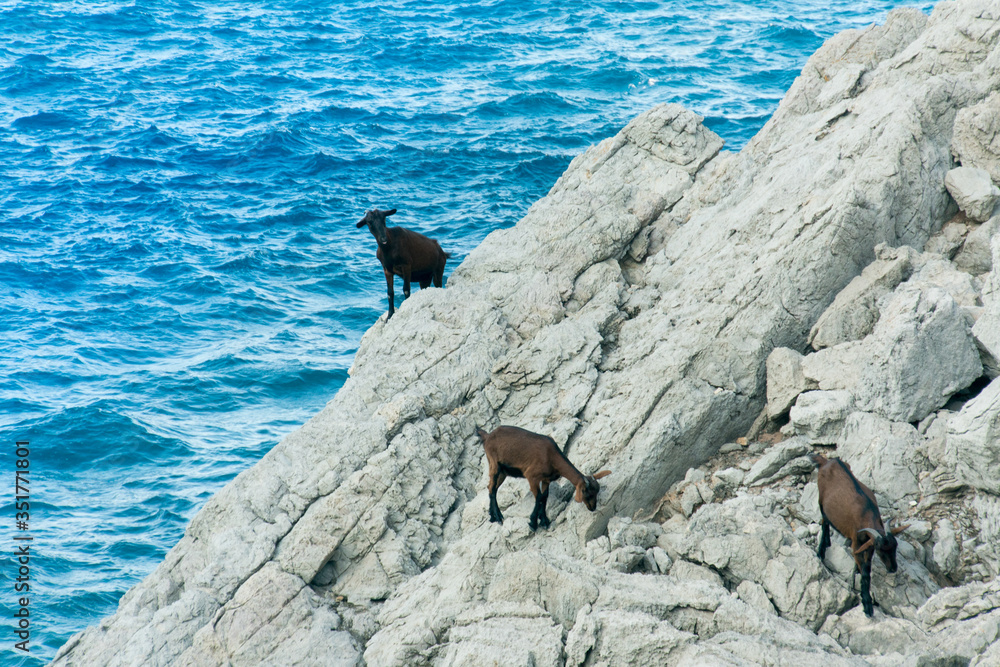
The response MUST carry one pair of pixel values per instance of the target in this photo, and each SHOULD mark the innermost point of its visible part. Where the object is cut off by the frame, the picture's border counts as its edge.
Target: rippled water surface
(181, 282)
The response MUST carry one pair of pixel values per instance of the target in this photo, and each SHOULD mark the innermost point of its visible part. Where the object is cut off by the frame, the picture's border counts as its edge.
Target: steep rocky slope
(658, 304)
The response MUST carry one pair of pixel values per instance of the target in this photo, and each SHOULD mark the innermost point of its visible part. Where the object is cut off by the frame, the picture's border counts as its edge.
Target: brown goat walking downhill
(516, 452)
(851, 507)
(404, 253)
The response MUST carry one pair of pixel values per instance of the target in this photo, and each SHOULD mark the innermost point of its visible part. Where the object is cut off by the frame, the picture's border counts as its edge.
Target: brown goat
(851, 508)
(404, 253)
(516, 452)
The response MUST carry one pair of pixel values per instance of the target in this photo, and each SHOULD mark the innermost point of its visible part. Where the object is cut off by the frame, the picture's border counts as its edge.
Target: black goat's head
(375, 219)
(588, 494)
(885, 545)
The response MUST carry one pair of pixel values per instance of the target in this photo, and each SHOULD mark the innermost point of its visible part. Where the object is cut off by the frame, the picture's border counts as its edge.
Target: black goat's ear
(361, 224)
(390, 212)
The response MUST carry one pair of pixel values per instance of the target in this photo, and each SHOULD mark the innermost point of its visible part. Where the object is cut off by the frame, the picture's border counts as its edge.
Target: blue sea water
(181, 281)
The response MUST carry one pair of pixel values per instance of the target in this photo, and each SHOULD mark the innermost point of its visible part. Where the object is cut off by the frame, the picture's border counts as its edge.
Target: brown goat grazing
(515, 452)
(851, 507)
(404, 253)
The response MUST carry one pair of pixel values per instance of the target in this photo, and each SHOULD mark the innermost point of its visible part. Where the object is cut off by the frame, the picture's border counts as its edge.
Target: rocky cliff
(837, 279)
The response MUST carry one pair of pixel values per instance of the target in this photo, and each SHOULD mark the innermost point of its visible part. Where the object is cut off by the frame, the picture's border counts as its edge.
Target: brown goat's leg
(392, 294)
(439, 275)
(496, 479)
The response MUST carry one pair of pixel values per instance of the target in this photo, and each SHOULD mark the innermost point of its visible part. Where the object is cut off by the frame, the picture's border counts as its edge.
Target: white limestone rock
(807, 508)
(880, 635)
(976, 257)
(986, 332)
(621, 637)
(854, 312)
(658, 560)
(946, 550)
(744, 635)
(972, 442)
(974, 191)
(785, 380)
(976, 138)
(745, 540)
(818, 416)
(884, 455)
(884, 640)
(756, 596)
(624, 532)
(487, 640)
(774, 460)
(939, 272)
(960, 603)
(920, 353)
(948, 241)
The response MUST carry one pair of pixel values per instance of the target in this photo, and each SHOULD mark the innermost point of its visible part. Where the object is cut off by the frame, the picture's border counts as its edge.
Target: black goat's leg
(539, 509)
(392, 294)
(542, 501)
(405, 272)
(496, 479)
(866, 583)
(824, 539)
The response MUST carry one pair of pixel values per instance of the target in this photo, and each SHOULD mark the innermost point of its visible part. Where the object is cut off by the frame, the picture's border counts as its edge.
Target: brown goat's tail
(482, 434)
(819, 459)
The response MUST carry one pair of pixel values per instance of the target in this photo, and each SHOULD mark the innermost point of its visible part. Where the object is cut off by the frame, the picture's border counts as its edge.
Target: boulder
(972, 442)
(986, 332)
(854, 312)
(974, 191)
(976, 138)
(612, 637)
(946, 549)
(744, 635)
(976, 257)
(785, 380)
(948, 241)
(920, 352)
(884, 455)
(939, 272)
(818, 416)
(880, 635)
(774, 460)
(745, 540)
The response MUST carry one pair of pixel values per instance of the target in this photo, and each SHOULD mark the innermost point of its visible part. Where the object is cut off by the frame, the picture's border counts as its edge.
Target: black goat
(404, 253)
(516, 452)
(851, 507)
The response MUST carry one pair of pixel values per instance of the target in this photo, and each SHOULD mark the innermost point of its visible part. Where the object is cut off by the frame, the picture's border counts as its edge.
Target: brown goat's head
(375, 219)
(587, 494)
(885, 546)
